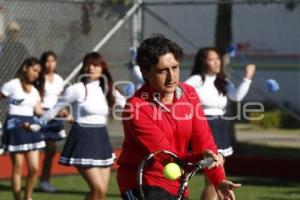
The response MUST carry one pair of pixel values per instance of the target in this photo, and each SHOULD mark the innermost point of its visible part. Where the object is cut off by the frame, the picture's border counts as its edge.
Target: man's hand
(225, 190)
(218, 158)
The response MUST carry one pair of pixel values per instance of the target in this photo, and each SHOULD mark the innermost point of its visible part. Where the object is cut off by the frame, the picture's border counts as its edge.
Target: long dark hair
(41, 82)
(97, 59)
(200, 67)
(29, 62)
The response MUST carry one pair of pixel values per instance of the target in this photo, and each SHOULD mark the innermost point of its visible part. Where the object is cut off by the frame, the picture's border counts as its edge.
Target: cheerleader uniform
(54, 130)
(214, 106)
(20, 110)
(88, 144)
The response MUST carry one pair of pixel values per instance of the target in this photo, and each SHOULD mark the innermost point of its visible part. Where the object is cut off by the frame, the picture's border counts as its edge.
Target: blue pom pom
(272, 85)
(231, 50)
(129, 89)
(133, 53)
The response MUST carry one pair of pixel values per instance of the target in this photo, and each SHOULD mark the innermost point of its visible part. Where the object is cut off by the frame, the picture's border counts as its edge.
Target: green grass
(74, 188)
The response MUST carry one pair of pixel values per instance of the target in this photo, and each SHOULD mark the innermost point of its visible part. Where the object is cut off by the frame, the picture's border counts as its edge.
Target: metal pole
(193, 2)
(137, 25)
(105, 39)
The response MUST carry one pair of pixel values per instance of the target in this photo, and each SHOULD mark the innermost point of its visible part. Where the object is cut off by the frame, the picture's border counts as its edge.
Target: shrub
(275, 119)
(270, 119)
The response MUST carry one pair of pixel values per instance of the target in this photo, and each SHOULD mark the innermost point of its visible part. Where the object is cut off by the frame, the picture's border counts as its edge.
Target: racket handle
(206, 162)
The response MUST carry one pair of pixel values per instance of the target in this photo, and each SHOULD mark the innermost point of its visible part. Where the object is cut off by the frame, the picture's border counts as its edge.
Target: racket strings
(153, 166)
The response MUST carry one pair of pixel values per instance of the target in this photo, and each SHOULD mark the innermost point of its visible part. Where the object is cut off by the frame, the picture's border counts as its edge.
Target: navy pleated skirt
(17, 139)
(87, 147)
(54, 131)
(220, 131)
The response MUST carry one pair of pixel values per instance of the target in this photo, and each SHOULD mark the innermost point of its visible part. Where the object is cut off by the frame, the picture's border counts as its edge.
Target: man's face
(164, 76)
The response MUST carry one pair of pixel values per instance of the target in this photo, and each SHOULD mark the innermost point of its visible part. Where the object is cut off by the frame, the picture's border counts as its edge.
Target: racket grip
(206, 162)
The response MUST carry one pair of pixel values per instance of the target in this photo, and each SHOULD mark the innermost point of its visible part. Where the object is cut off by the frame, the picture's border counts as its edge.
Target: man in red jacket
(165, 115)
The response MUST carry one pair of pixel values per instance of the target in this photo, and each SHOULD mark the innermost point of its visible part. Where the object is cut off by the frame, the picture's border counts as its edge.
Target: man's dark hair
(152, 48)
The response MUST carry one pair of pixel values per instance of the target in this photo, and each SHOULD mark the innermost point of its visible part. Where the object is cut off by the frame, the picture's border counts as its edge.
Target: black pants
(150, 192)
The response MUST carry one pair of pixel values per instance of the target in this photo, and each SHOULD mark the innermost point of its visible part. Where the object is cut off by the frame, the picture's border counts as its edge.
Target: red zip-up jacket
(150, 126)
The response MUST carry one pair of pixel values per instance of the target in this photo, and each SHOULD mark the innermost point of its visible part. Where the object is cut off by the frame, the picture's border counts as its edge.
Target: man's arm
(202, 139)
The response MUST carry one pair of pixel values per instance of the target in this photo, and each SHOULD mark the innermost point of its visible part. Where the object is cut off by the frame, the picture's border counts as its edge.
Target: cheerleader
(135, 72)
(24, 101)
(214, 89)
(50, 86)
(88, 147)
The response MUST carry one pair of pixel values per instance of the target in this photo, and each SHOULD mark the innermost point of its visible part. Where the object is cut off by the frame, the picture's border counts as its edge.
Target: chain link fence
(71, 28)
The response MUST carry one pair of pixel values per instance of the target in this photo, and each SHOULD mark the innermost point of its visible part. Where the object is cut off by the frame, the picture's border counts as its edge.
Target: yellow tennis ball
(172, 171)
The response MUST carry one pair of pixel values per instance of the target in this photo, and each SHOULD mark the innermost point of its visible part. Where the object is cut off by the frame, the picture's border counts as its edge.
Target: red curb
(57, 169)
(235, 165)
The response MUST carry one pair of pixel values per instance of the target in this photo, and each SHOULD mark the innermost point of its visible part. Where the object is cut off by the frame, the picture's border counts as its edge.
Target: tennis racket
(158, 160)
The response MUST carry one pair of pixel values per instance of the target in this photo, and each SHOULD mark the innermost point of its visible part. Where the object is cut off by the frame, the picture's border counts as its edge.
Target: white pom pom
(34, 127)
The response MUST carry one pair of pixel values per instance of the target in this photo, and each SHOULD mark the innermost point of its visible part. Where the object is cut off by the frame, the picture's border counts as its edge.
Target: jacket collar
(149, 94)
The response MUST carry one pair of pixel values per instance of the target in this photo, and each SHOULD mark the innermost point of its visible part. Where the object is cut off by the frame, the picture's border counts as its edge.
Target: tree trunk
(223, 39)
(223, 33)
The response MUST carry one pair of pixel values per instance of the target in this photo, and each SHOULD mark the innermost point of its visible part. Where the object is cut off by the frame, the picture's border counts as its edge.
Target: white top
(52, 91)
(13, 90)
(89, 104)
(212, 101)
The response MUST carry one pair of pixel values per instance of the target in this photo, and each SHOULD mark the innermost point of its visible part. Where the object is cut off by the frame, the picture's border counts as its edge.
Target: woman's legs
(47, 163)
(33, 165)
(47, 166)
(16, 178)
(97, 179)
